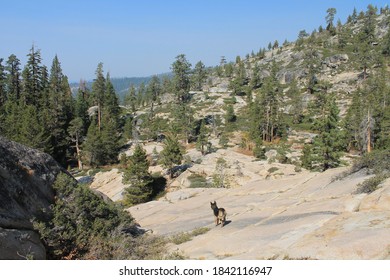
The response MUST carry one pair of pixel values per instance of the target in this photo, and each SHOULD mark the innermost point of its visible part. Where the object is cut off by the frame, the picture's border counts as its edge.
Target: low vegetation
(84, 226)
(187, 236)
(377, 164)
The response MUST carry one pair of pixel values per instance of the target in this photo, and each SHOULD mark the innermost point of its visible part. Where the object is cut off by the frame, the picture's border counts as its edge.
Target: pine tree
(296, 103)
(153, 92)
(130, 99)
(76, 132)
(266, 114)
(141, 94)
(109, 140)
(171, 155)
(93, 146)
(60, 111)
(329, 20)
(81, 105)
(181, 69)
(256, 82)
(32, 133)
(202, 141)
(184, 122)
(13, 78)
(110, 101)
(365, 39)
(32, 79)
(239, 83)
(352, 122)
(325, 152)
(230, 116)
(199, 76)
(354, 16)
(98, 89)
(138, 177)
(10, 120)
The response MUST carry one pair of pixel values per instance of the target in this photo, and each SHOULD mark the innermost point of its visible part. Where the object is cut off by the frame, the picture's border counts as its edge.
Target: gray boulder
(26, 179)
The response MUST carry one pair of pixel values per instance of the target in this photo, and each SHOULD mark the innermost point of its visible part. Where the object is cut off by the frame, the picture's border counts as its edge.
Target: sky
(143, 38)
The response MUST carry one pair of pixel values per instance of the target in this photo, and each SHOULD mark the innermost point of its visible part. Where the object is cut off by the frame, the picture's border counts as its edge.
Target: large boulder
(26, 179)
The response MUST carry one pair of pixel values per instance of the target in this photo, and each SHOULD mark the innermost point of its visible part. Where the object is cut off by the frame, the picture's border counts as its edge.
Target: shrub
(372, 184)
(84, 226)
(377, 163)
(197, 181)
(183, 237)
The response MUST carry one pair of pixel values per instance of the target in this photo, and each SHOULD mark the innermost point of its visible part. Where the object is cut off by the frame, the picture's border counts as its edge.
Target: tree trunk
(99, 117)
(80, 164)
(368, 132)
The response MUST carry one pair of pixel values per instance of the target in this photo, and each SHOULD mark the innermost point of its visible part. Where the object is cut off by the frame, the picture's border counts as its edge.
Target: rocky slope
(26, 177)
(274, 212)
(297, 216)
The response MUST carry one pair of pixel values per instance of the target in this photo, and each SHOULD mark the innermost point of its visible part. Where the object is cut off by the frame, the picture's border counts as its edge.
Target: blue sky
(141, 38)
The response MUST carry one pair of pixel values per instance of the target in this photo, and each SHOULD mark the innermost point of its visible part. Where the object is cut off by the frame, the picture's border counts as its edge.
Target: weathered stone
(20, 244)
(26, 179)
(305, 215)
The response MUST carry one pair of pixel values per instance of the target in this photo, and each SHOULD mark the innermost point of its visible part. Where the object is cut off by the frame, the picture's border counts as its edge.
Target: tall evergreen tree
(184, 121)
(141, 94)
(237, 85)
(202, 141)
(98, 89)
(171, 155)
(130, 98)
(32, 133)
(199, 76)
(181, 69)
(230, 116)
(138, 177)
(93, 146)
(76, 132)
(352, 121)
(13, 77)
(325, 152)
(109, 140)
(153, 92)
(269, 108)
(331, 12)
(256, 79)
(60, 111)
(110, 101)
(32, 78)
(296, 103)
(81, 105)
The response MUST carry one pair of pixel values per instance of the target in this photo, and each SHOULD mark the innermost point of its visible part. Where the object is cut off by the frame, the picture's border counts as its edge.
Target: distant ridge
(121, 85)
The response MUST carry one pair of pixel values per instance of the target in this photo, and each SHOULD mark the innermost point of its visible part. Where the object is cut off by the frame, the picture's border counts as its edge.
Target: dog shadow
(227, 222)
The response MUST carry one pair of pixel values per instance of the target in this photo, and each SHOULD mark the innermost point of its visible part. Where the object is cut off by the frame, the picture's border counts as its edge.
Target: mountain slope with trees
(314, 103)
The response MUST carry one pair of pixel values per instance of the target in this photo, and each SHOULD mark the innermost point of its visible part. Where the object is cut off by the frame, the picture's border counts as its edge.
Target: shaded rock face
(26, 178)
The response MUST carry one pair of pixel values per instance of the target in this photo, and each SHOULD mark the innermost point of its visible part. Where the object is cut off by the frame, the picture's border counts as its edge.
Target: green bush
(377, 163)
(183, 237)
(84, 226)
(372, 184)
(198, 181)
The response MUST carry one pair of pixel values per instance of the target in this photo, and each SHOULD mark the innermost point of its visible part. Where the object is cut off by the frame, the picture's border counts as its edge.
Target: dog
(219, 213)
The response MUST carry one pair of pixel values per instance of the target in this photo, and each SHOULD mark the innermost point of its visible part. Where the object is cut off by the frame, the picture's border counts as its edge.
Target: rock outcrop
(302, 216)
(26, 179)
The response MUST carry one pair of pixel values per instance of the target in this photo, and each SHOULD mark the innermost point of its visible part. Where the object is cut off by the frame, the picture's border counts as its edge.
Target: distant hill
(121, 85)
